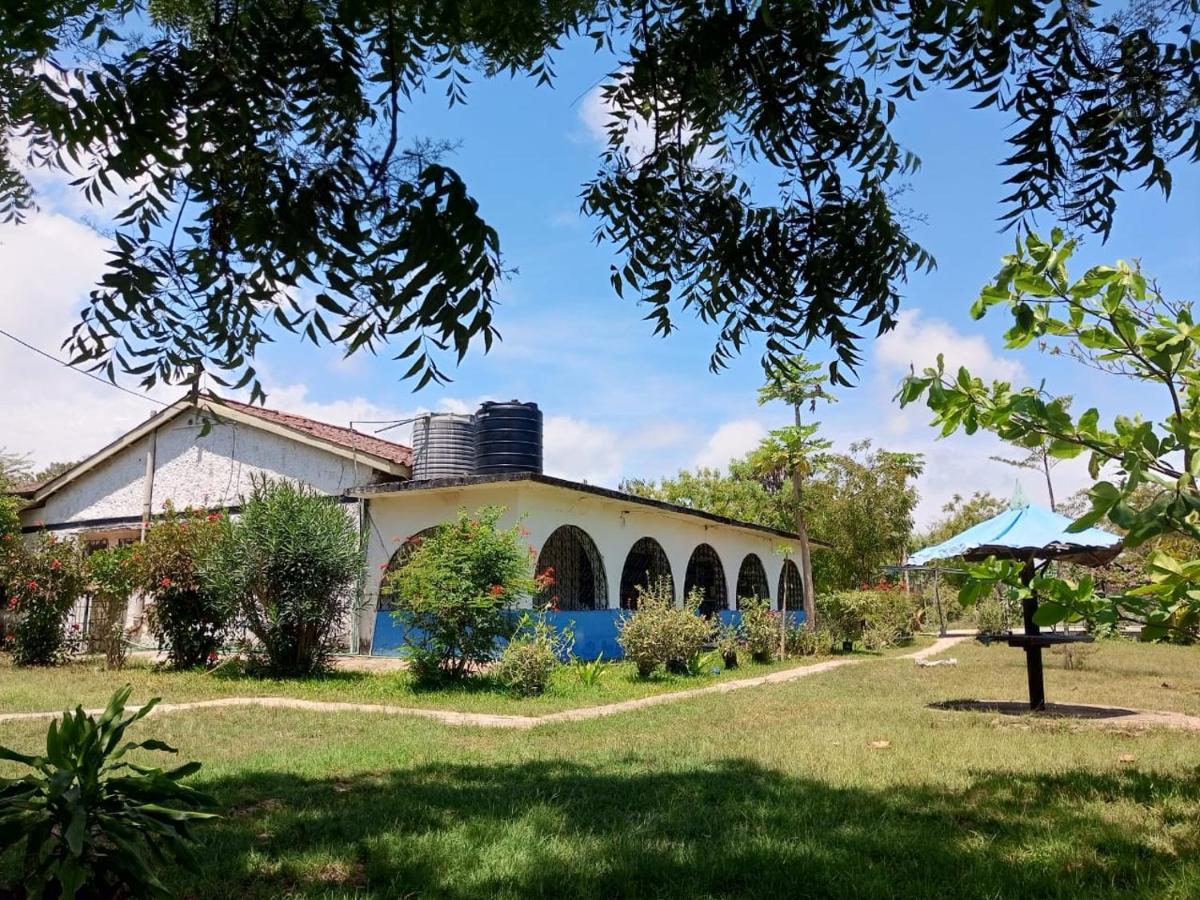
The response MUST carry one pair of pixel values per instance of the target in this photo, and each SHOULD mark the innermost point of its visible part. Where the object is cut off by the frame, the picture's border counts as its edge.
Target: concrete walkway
(488, 720)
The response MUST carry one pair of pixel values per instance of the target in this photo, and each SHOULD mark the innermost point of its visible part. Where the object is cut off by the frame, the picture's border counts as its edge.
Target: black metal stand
(1033, 656)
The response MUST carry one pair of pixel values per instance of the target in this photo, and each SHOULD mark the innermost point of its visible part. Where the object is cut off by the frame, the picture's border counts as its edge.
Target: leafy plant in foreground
(91, 819)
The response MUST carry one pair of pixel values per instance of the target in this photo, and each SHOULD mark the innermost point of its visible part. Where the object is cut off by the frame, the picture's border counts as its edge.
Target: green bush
(534, 651)
(45, 581)
(877, 618)
(802, 642)
(728, 644)
(760, 629)
(111, 579)
(990, 614)
(189, 619)
(92, 821)
(452, 594)
(287, 570)
(658, 633)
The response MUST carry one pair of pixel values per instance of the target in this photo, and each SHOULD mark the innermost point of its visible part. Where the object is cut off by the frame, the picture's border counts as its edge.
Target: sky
(619, 402)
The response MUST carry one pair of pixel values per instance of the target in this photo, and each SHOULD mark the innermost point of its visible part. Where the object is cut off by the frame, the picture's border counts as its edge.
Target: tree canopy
(1113, 319)
(271, 185)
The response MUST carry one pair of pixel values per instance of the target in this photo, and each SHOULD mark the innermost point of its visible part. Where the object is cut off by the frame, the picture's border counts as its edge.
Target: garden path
(489, 720)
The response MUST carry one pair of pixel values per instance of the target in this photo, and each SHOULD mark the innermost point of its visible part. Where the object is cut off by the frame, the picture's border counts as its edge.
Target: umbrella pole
(1033, 653)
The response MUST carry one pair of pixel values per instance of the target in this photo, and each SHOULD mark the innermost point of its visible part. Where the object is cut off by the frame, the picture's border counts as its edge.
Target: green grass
(771, 792)
(86, 682)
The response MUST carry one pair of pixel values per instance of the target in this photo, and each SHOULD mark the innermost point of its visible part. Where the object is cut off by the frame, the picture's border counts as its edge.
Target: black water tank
(508, 438)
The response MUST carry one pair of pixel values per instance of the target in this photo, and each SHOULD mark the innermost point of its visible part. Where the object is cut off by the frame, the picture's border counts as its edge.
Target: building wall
(614, 526)
(191, 469)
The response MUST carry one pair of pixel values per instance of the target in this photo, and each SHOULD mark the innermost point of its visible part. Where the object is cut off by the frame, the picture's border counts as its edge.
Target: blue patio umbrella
(1035, 536)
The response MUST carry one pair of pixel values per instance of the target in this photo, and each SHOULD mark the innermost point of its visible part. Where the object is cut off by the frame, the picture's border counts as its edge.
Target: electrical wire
(97, 378)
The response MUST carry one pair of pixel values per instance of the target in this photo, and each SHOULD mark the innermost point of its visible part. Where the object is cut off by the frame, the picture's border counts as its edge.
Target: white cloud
(596, 114)
(731, 440)
(582, 451)
(916, 341)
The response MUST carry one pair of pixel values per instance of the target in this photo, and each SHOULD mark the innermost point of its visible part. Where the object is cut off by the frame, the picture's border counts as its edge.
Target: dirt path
(488, 720)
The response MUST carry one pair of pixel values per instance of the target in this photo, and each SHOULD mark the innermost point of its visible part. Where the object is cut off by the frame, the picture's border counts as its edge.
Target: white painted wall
(615, 525)
(192, 470)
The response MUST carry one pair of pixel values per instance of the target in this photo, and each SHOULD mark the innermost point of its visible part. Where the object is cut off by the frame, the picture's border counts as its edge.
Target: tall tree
(1114, 320)
(270, 184)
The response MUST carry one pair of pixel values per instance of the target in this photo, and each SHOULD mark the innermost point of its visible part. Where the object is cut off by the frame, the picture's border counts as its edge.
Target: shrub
(10, 542)
(287, 570)
(728, 643)
(760, 628)
(111, 579)
(590, 673)
(989, 614)
(452, 593)
(802, 642)
(882, 616)
(45, 582)
(658, 633)
(91, 820)
(533, 653)
(188, 618)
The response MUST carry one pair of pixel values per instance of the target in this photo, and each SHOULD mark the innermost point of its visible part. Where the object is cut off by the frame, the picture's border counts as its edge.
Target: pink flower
(32, 585)
(165, 582)
(55, 564)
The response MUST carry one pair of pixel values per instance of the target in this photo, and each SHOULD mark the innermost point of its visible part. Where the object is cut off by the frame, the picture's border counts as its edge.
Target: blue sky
(620, 401)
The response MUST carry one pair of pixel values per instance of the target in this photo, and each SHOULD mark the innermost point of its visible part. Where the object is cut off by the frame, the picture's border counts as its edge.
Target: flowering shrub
(452, 593)
(534, 651)
(45, 579)
(877, 618)
(760, 628)
(287, 570)
(658, 633)
(111, 576)
(10, 541)
(187, 618)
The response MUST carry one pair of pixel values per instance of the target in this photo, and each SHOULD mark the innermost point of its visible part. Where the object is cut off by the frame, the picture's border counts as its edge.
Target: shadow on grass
(1021, 708)
(732, 829)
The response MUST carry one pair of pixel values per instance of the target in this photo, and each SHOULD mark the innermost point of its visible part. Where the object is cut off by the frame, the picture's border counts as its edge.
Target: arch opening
(399, 557)
(752, 580)
(791, 587)
(706, 574)
(578, 570)
(645, 565)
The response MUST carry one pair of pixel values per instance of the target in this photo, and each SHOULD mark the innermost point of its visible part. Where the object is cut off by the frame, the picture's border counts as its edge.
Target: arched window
(401, 555)
(752, 580)
(645, 565)
(791, 588)
(579, 579)
(705, 572)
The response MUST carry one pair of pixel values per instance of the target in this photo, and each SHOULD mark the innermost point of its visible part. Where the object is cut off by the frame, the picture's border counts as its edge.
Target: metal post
(1033, 653)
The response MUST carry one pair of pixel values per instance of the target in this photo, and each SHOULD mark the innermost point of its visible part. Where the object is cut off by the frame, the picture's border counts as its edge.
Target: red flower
(32, 585)
(55, 564)
(165, 582)
(496, 590)
(214, 517)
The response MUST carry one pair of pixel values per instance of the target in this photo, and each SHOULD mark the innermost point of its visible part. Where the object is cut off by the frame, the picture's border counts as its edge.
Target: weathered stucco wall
(612, 524)
(210, 470)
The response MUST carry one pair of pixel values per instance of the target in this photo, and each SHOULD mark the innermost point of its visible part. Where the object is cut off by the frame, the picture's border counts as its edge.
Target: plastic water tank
(508, 438)
(443, 446)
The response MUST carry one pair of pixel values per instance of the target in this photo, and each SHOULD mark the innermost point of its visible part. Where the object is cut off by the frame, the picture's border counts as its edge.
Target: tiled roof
(334, 434)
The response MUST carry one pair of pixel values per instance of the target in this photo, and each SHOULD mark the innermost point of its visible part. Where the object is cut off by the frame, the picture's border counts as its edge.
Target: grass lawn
(86, 682)
(777, 791)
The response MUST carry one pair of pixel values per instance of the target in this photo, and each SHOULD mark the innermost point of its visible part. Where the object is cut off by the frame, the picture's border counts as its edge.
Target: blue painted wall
(595, 631)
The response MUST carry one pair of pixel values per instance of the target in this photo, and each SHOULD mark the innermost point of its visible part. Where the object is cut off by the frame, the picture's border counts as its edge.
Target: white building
(601, 543)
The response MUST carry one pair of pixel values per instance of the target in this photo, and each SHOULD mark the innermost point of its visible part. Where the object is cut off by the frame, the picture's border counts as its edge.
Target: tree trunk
(1049, 483)
(806, 579)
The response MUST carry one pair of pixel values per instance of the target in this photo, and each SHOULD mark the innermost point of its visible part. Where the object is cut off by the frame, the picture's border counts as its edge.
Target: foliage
(878, 617)
(1074, 655)
(861, 505)
(287, 569)
(658, 633)
(91, 819)
(739, 495)
(10, 544)
(728, 644)
(760, 629)
(186, 616)
(45, 581)
(242, 187)
(452, 593)
(800, 642)
(534, 651)
(991, 615)
(589, 673)
(15, 468)
(1112, 320)
(112, 578)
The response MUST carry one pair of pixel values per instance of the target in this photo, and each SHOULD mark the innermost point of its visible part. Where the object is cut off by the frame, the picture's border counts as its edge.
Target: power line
(97, 378)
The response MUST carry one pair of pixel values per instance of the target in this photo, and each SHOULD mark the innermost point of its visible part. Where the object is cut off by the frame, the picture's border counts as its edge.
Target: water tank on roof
(443, 446)
(508, 438)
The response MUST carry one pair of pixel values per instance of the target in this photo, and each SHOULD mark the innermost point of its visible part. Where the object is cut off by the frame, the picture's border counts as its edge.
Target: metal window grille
(645, 565)
(705, 572)
(791, 587)
(579, 579)
(752, 580)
